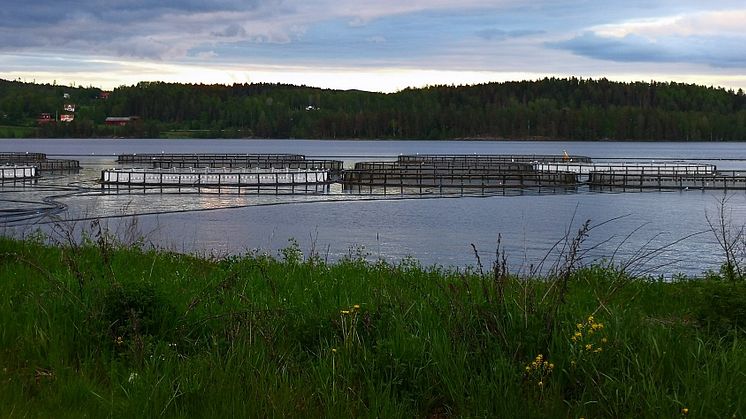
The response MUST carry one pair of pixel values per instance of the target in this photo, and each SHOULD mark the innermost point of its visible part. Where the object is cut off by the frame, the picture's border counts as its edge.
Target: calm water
(432, 229)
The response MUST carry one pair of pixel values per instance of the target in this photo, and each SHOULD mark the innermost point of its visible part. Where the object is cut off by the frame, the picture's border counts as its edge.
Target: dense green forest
(570, 109)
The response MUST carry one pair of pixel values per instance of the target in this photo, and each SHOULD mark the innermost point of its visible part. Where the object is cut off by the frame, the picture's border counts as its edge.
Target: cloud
(140, 28)
(710, 38)
(509, 36)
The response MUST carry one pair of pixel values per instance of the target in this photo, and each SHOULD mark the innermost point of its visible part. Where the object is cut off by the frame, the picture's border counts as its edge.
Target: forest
(546, 109)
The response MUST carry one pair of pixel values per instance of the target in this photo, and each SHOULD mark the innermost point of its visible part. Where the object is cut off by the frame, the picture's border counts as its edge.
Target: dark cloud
(714, 51)
(494, 34)
(627, 49)
(232, 31)
(138, 28)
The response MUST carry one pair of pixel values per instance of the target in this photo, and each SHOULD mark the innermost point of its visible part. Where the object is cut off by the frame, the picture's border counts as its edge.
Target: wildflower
(133, 377)
(119, 340)
(684, 411)
(603, 340)
(528, 369)
(345, 311)
(540, 384)
(551, 366)
(588, 347)
(597, 350)
(590, 319)
(580, 326)
(334, 350)
(356, 306)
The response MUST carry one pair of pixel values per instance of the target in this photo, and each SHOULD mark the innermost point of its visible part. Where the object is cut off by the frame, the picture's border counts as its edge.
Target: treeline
(574, 109)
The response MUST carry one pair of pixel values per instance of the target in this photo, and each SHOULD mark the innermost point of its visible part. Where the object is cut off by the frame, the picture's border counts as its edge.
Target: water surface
(432, 229)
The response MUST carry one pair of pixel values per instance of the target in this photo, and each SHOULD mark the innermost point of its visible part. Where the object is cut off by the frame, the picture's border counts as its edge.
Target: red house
(45, 118)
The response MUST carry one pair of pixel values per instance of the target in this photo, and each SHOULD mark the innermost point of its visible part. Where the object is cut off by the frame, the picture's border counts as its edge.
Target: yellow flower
(334, 350)
(603, 340)
(579, 326)
(590, 319)
(356, 306)
(551, 366)
(540, 383)
(684, 411)
(588, 347)
(345, 311)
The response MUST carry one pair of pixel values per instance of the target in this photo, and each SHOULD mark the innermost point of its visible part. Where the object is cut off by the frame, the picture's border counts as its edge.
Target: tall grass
(100, 329)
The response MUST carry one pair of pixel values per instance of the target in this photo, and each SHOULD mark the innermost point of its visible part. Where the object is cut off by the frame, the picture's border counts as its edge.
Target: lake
(657, 232)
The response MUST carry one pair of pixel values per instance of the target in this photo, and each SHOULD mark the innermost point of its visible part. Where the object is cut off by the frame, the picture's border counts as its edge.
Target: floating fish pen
(408, 179)
(469, 159)
(455, 174)
(445, 168)
(14, 173)
(625, 180)
(225, 177)
(56, 165)
(330, 165)
(19, 157)
(243, 161)
(668, 168)
(207, 160)
(40, 161)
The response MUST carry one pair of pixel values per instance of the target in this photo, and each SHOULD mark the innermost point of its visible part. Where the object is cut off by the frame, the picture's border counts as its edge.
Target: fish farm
(404, 174)
(418, 173)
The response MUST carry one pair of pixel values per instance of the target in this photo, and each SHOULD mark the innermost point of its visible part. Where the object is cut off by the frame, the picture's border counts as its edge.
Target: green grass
(102, 330)
(8, 131)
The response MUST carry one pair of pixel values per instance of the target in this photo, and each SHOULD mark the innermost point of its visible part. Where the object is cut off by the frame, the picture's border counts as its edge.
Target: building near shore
(121, 121)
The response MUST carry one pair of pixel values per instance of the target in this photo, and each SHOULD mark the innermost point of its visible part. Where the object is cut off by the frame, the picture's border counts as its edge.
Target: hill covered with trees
(551, 108)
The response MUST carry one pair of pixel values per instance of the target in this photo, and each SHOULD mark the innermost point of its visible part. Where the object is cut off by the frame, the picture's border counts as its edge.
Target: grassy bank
(104, 330)
(8, 131)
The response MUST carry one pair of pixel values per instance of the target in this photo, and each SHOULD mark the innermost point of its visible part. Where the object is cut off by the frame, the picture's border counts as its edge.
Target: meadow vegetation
(100, 329)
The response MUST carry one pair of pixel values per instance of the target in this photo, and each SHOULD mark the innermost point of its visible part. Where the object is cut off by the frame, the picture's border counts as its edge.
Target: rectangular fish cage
(723, 180)
(17, 172)
(205, 160)
(40, 161)
(467, 159)
(213, 177)
(16, 157)
(629, 168)
(356, 179)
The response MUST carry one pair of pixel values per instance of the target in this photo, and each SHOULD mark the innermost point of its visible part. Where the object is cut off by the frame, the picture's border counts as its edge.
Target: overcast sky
(371, 45)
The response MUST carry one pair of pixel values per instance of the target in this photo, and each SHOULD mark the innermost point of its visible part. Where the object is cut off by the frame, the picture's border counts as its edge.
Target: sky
(385, 45)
